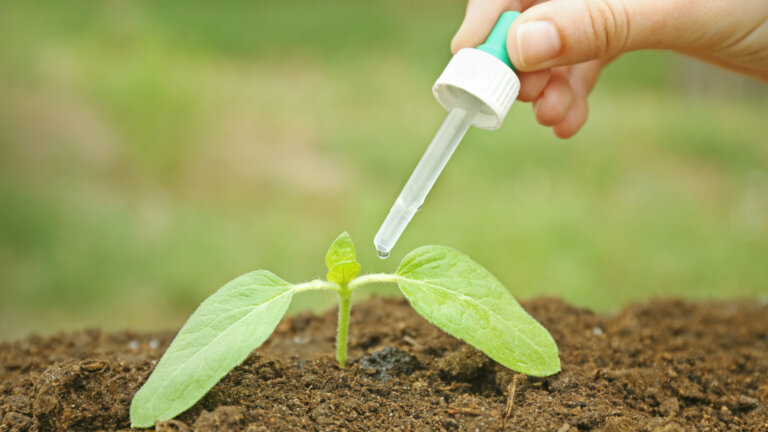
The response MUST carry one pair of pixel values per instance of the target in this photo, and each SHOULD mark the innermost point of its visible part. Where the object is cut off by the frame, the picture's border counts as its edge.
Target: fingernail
(537, 42)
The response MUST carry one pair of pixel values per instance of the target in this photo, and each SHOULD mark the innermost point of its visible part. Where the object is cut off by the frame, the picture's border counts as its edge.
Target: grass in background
(151, 151)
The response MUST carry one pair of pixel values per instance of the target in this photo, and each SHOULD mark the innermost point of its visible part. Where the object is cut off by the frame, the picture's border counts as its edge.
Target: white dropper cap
(474, 72)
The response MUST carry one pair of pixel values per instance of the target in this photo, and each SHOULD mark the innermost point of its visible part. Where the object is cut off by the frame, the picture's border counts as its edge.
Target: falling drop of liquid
(382, 254)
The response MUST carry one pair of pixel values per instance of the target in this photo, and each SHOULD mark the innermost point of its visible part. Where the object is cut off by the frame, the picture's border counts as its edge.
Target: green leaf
(461, 297)
(218, 336)
(342, 249)
(343, 272)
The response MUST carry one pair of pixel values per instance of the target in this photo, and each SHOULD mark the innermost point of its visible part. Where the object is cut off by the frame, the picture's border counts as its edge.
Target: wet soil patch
(660, 366)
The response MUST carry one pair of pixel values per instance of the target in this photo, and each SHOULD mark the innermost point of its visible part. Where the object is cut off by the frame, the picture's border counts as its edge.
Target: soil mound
(660, 366)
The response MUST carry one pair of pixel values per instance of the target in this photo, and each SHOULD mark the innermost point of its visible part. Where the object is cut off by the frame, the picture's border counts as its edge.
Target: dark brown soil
(662, 366)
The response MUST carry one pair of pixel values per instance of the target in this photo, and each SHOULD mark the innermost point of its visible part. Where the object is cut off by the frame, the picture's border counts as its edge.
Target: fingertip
(564, 132)
(545, 115)
(555, 102)
(533, 44)
(574, 120)
(458, 42)
(512, 51)
(480, 17)
(564, 32)
(532, 84)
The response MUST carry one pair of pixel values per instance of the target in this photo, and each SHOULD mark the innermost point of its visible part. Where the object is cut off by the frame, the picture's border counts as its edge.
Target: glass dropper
(423, 178)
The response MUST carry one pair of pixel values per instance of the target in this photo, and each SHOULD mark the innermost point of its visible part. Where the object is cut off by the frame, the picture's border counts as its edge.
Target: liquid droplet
(382, 254)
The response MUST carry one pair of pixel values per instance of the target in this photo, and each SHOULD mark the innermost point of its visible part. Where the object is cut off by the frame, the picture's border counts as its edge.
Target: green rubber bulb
(496, 44)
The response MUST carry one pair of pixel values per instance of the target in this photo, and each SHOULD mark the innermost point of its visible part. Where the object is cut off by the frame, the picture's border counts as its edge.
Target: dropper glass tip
(382, 254)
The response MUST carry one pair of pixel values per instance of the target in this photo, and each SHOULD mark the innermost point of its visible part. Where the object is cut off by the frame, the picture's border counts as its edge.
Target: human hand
(559, 47)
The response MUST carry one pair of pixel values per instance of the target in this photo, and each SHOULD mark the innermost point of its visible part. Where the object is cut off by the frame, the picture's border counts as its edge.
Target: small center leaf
(464, 299)
(342, 249)
(343, 272)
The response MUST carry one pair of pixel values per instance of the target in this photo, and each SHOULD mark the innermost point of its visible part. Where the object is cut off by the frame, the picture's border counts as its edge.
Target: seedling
(442, 284)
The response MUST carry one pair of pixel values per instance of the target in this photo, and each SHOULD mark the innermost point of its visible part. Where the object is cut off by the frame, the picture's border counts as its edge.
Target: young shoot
(442, 284)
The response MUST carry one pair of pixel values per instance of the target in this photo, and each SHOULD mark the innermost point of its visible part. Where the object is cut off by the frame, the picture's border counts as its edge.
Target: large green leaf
(218, 336)
(461, 297)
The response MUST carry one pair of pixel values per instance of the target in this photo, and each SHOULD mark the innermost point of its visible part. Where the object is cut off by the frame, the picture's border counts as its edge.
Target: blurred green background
(152, 150)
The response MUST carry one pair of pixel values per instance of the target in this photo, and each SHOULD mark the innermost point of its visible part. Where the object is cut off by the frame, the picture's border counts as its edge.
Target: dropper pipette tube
(423, 178)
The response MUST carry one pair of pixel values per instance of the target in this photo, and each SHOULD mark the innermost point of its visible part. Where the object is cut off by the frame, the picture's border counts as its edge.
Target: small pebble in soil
(762, 393)
(450, 424)
(388, 363)
(748, 403)
(618, 424)
(463, 364)
(298, 364)
(669, 407)
(171, 426)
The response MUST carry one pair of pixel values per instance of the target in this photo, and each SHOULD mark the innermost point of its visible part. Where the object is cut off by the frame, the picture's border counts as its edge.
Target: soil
(660, 366)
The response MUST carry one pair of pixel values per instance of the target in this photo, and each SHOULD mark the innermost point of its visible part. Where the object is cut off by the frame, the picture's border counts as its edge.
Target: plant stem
(372, 278)
(316, 284)
(345, 305)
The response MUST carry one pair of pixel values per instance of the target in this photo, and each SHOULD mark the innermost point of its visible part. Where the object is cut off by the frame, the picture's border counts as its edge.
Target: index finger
(479, 19)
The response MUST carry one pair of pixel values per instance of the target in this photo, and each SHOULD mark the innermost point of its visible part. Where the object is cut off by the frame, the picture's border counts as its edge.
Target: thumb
(564, 32)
